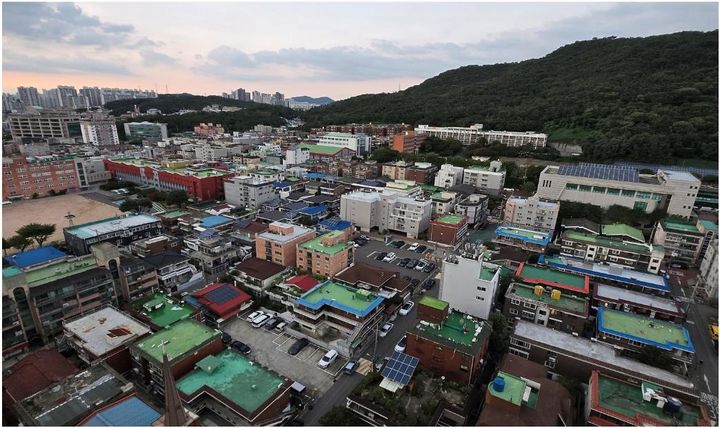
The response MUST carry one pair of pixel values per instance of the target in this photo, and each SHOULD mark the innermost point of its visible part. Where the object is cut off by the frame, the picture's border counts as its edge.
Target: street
(706, 375)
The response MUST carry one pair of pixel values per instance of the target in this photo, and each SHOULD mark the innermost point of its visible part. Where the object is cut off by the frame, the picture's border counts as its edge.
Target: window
(482, 289)
(597, 189)
(515, 302)
(482, 299)
(641, 206)
(628, 193)
(584, 188)
(513, 311)
(571, 186)
(542, 312)
(519, 353)
(642, 195)
(611, 191)
(528, 315)
(519, 343)
(530, 305)
(463, 368)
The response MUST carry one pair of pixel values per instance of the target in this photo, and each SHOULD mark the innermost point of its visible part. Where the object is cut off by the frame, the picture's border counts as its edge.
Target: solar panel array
(207, 234)
(223, 294)
(600, 171)
(400, 368)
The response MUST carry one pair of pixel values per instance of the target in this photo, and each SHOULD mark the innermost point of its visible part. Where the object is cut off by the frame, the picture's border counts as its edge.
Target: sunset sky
(318, 49)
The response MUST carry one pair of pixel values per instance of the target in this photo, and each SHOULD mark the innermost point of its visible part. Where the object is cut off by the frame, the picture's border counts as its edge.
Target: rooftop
(588, 238)
(356, 301)
(259, 268)
(553, 278)
(457, 330)
(173, 214)
(35, 372)
(677, 225)
(59, 270)
(611, 272)
(35, 256)
(317, 149)
(178, 339)
(487, 273)
(619, 229)
(660, 334)
(221, 298)
(303, 282)
(317, 246)
(162, 310)
(451, 219)
(110, 225)
(565, 302)
(525, 235)
(182, 170)
(277, 237)
(214, 221)
(623, 295)
(234, 377)
(709, 225)
(105, 330)
(130, 411)
(513, 391)
(434, 303)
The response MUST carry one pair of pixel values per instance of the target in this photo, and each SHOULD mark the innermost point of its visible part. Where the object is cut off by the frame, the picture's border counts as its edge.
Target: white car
(261, 320)
(281, 326)
(327, 359)
(413, 247)
(406, 308)
(400, 347)
(384, 330)
(421, 265)
(254, 315)
(390, 257)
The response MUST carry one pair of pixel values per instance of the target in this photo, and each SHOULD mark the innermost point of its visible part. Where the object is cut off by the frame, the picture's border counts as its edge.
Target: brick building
(209, 129)
(25, 177)
(325, 255)
(408, 142)
(552, 309)
(221, 302)
(448, 230)
(279, 243)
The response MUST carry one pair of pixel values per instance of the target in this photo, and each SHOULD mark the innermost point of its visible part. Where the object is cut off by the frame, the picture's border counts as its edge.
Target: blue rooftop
(314, 175)
(214, 221)
(524, 235)
(334, 223)
(281, 184)
(313, 211)
(35, 257)
(132, 412)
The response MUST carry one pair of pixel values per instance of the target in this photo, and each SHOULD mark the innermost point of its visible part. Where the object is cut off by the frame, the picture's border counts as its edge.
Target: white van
(327, 359)
(261, 320)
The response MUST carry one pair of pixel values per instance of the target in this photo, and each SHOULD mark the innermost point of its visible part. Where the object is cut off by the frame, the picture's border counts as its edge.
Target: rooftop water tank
(499, 384)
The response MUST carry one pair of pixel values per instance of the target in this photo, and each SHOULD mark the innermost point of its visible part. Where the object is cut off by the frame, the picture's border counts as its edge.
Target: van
(262, 319)
(327, 359)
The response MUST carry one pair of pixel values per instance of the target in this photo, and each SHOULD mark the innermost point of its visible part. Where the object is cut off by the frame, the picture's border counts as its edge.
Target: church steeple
(174, 411)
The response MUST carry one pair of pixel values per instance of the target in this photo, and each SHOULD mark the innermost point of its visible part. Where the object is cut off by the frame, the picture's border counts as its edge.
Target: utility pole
(375, 345)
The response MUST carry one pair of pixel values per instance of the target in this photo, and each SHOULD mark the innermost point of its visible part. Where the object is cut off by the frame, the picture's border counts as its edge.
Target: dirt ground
(53, 210)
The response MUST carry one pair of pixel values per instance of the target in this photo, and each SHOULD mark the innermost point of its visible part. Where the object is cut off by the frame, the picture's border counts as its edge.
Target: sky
(317, 49)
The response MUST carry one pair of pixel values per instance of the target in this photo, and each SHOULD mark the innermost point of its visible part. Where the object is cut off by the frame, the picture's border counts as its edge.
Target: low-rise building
(524, 238)
(258, 274)
(649, 305)
(421, 172)
(469, 285)
(449, 230)
(120, 230)
(326, 254)
(449, 176)
(358, 143)
(408, 142)
(40, 175)
(159, 311)
(174, 271)
(443, 202)
(708, 275)
(474, 207)
(578, 285)
(385, 283)
(137, 278)
(531, 212)
(388, 211)
(682, 240)
(489, 180)
(248, 192)
(215, 254)
(140, 131)
(209, 129)
(327, 153)
(552, 309)
(221, 302)
(279, 243)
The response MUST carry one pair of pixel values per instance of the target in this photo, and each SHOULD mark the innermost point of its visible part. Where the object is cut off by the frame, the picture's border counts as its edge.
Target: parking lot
(269, 348)
(368, 252)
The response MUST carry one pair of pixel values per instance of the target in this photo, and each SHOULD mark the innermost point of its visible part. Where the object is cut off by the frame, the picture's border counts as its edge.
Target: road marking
(683, 292)
(690, 322)
(370, 255)
(707, 383)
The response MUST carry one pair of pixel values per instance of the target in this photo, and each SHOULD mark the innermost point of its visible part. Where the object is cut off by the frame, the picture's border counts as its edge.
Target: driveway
(368, 252)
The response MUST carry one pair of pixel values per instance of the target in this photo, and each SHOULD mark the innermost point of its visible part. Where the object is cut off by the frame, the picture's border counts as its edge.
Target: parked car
(412, 263)
(406, 308)
(421, 265)
(429, 268)
(327, 359)
(350, 367)
(381, 255)
(404, 262)
(261, 320)
(413, 247)
(226, 338)
(430, 284)
(271, 323)
(398, 244)
(365, 237)
(241, 347)
(400, 346)
(254, 315)
(298, 346)
(380, 363)
(281, 326)
(414, 282)
(385, 329)
(390, 257)
(421, 249)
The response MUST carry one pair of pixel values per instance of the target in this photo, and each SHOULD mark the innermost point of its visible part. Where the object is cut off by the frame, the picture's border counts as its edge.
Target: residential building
(531, 212)
(469, 285)
(551, 308)
(408, 142)
(475, 134)
(524, 238)
(708, 275)
(99, 129)
(244, 231)
(216, 253)
(279, 243)
(384, 282)
(578, 285)
(327, 152)
(386, 211)
(248, 192)
(396, 170)
(104, 336)
(710, 230)
(91, 171)
(160, 311)
(449, 230)
(326, 254)
(140, 131)
(474, 207)
(608, 185)
(489, 180)
(14, 338)
(201, 183)
(297, 155)
(61, 125)
(258, 274)
(29, 96)
(521, 395)
(616, 243)
(137, 278)
(421, 172)
(649, 305)
(120, 230)
(358, 143)
(448, 176)
(616, 402)
(174, 271)
(185, 343)
(25, 177)
(443, 202)
(448, 342)
(682, 240)
(209, 129)
(632, 332)
(93, 95)
(221, 302)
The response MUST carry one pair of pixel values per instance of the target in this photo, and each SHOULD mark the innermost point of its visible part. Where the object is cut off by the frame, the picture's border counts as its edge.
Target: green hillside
(648, 99)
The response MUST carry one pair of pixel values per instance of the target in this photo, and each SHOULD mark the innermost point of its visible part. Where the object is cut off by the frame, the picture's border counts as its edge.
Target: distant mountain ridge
(319, 101)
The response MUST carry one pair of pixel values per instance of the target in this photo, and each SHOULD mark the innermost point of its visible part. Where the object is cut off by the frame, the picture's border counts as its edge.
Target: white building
(474, 133)
(297, 155)
(359, 143)
(469, 285)
(448, 176)
(99, 130)
(208, 152)
(91, 170)
(474, 207)
(531, 212)
(708, 276)
(248, 192)
(386, 210)
(488, 179)
(607, 185)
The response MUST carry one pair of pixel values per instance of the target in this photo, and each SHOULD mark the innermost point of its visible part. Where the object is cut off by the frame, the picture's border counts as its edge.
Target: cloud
(153, 58)
(63, 65)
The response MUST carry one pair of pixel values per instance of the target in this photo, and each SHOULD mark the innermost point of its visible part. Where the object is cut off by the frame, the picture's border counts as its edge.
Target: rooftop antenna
(166, 89)
(70, 216)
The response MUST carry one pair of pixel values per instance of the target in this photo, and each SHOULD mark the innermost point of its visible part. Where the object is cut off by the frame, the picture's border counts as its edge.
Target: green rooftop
(430, 188)
(513, 391)
(589, 238)
(677, 225)
(173, 214)
(450, 219)
(162, 310)
(457, 330)
(565, 302)
(201, 173)
(323, 150)
(178, 339)
(434, 303)
(627, 400)
(550, 277)
(487, 273)
(619, 229)
(236, 378)
(358, 301)
(708, 225)
(642, 327)
(317, 246)
(55, 271)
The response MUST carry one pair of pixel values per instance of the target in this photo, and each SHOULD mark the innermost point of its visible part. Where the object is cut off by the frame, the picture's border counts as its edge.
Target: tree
(18, 242)
(385, 154)
(506, 277)
(500, 337)
(652, 356)
(5, 246)
(176, 197)
(37, 232)
(339, 416)
(129, 205)
(528, 187)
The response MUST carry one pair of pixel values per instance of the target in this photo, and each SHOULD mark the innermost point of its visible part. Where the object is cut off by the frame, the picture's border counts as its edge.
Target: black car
(404, 262)
(298, 346)
(430, 284)
(421, 249)
(411, 264)
(398, 244)
(380, 256)
(414, 282)
(429, 268)
(241, 347)
(272, 323)
(226, 338)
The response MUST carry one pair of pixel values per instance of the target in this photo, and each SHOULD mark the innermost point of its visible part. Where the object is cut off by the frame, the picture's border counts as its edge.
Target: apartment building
(386, 211)
(209, 129)
(60, 125)
(408, 142)
(297, 155)
(358, 143)
(469, 285)
(279, 243)
(214, 254)
(249, 192)
(120, 230)
(551, 308)
(681, 239)
(475, 134)
(24, 178)
(474, 207)
(140, 131)
(449, 230)
(575, 284)
(531, 212)
(607, 185)
(708, 275)
(326, 254)
(649, 305)
(99, 129)
(14, 338)
(396, 170)
(609, 243)
(443, 202)
(449, 176)
(137, 277)
(523, 238)
(421, 173)
(489, 180)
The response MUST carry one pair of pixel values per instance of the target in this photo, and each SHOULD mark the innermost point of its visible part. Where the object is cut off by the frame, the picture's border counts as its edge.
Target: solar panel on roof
(207, 234)
(600, 171)
(222, 294)
(400, 368)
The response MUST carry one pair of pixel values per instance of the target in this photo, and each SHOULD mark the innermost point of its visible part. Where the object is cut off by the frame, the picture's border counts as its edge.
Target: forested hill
(171, 103)
(650, 99)
(321, 101)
